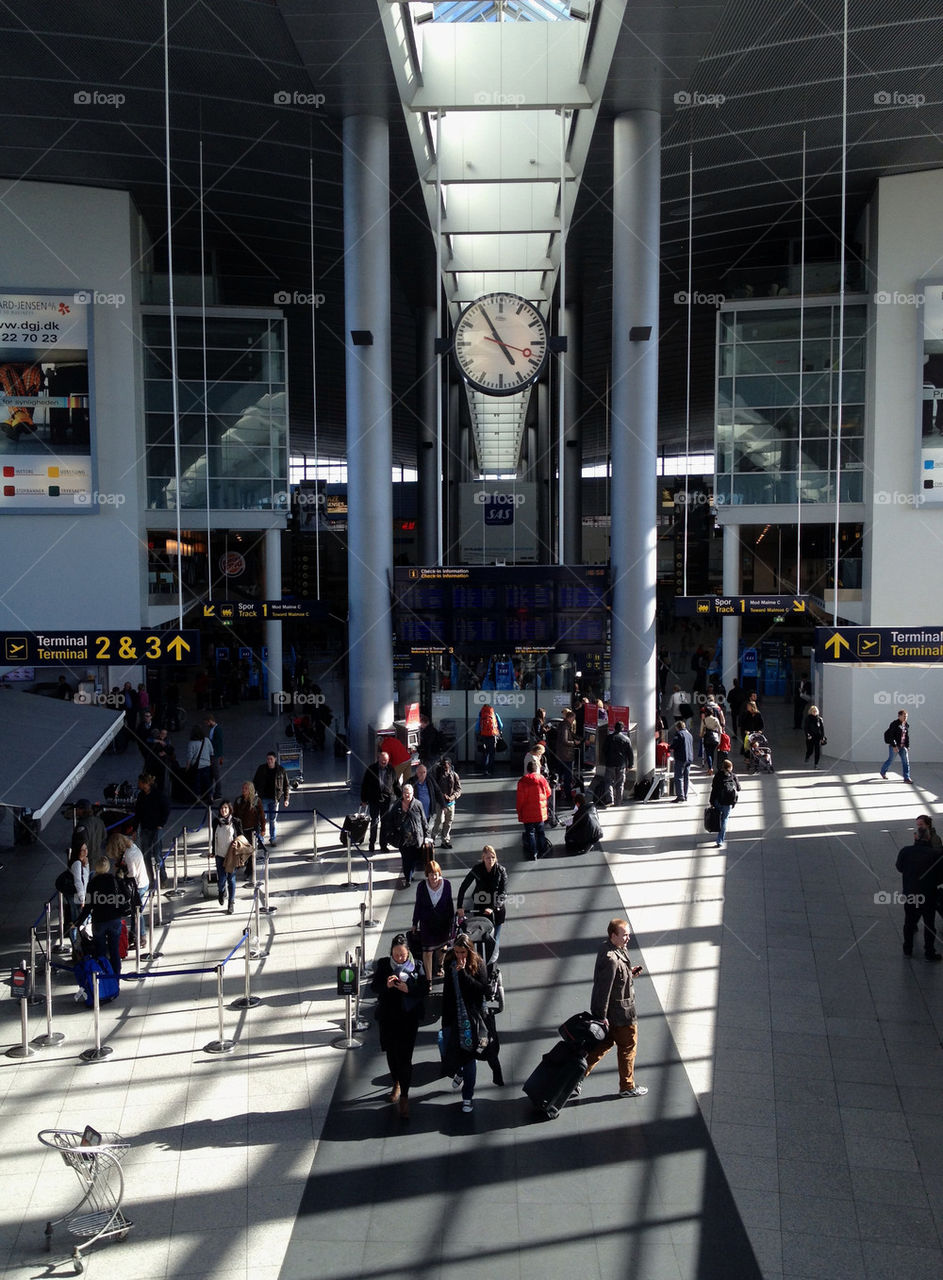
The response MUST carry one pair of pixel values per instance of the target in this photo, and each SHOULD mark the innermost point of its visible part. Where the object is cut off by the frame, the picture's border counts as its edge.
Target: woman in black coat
(400, 984)
(409, 826)
(750, 720)
(488, 881)
(814, 736)
(465, 977)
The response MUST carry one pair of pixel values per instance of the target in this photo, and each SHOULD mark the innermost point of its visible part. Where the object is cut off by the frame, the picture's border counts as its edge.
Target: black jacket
(724, 788)
(490, 890)
(408, 827)
(271, 784)
(920, 866)
(377, 788)
(394, 1007)
(619, 751)
(107, 898)
(585, 829)
(151, 809)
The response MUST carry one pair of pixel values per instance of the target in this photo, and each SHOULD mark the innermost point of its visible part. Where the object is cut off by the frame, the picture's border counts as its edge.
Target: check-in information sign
(116, 648)
(879, 644)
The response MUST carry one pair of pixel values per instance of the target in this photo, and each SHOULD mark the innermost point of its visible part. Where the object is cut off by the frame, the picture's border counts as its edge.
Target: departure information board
(469, 609)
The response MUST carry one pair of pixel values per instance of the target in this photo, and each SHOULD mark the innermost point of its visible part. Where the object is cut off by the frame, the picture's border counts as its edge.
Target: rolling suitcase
(107, 982)
(553, 1080)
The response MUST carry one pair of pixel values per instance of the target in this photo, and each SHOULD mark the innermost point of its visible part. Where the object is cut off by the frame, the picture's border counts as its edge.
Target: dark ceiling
(738, 85)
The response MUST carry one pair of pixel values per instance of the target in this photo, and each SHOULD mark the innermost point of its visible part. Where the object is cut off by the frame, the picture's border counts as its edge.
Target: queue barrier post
(247, 1000)
(220, 1045)
(60, 945)
(51, 1038)
(267, 910)
(257, 941)
(20, 983)
(347, 780)
(314, 836)
(348, 1040)
(174, 891)
(33, 997)
(154, 895)
(186, 865)
(364, 966)
(371, 922)
(100, 1051)
(349, 882)
(359, 1024)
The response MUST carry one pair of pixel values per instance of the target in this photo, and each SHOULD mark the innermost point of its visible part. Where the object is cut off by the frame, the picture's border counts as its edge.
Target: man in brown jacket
(613, 1002)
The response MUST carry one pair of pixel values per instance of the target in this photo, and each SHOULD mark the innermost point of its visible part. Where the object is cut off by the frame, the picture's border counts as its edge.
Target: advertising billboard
(45, 402)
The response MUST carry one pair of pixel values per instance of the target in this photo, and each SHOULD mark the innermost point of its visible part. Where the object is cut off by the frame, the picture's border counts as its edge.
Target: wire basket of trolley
(96, 1160)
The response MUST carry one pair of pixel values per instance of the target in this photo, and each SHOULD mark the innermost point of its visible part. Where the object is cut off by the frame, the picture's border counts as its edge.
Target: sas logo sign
(498, 507)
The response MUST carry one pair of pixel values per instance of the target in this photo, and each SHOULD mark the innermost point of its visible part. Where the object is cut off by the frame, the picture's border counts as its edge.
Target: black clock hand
(497, 336)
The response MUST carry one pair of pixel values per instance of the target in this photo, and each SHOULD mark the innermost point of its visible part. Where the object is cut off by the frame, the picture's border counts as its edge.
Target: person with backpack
(585, 829)
(724, 792)
(450, 788)
(815, 737)
(897, 737)
(488, 729)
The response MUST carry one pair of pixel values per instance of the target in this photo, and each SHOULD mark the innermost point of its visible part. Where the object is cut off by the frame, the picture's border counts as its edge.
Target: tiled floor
(793, 1057)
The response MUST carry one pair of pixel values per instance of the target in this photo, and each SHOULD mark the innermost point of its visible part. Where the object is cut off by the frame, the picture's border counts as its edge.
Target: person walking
(533, 792)
(426, 790)
(450, 788)
(613, 1002)
(433, 916)
(682, 749)
(400, 985)
(488, 728)
(226, 826)
(724, 792)
(711, 729)
(814, 736)
(464, 992)
(247, 807)
(565, 748)
(897, 737)
(488, 881)
(408, 823)
(920, 865)
(378, 788)
(151, 811)
(271, 784)
(199, 770)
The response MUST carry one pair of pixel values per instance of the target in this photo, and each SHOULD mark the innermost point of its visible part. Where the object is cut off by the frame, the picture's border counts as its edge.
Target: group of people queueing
(441, 951)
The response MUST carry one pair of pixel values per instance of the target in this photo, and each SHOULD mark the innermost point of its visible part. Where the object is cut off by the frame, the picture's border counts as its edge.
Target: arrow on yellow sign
(839, 642)
(209, 610)
(798, 606)
(177, 647)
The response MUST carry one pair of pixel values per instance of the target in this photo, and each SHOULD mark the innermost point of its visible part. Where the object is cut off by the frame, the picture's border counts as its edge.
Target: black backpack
(65, 884)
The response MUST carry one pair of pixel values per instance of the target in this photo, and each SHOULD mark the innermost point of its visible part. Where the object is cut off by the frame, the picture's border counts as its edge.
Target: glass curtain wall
(245, 414)
(759, 458)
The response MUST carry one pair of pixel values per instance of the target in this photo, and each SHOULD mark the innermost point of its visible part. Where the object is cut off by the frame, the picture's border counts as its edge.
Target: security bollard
(100, 1051)
(222, 1045)
(370, 921)
(247, 1000)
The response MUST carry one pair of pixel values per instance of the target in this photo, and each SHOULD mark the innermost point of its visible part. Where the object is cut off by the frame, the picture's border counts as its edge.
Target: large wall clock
(500, 344)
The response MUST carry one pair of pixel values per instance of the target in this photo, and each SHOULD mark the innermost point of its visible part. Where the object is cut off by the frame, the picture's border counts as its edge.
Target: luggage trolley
(291, 757)
(96, 1159)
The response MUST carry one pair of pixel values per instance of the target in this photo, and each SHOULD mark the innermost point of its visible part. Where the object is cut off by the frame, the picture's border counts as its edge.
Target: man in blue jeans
(897, 737)
(682, 749)
(271, 785)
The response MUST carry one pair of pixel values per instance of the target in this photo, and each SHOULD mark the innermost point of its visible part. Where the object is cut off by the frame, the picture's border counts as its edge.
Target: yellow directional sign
(836, 643)
(115, 648)
(209, 611)
(798, 606)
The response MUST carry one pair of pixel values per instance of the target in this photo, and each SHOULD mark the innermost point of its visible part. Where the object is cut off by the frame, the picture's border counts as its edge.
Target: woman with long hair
(226, 826)
(247, 807)
(432, 916)
(463, 996)
(814, 736)
(399, 984)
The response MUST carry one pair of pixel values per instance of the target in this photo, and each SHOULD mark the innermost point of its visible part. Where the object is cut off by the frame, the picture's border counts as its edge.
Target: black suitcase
(356, 825)
(553, 1080)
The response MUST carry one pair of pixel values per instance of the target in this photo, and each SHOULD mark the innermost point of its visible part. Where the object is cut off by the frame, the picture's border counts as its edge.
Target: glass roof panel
(501, 10)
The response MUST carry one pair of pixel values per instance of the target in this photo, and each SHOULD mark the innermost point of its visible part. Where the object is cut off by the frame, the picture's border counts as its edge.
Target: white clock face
(500, 344)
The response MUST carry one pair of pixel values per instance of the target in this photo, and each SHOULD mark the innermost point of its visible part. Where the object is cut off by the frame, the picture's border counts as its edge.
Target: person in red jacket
(533, 791)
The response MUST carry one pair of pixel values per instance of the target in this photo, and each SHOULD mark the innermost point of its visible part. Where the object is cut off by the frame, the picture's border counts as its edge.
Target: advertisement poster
(930, 447)
(45, 414)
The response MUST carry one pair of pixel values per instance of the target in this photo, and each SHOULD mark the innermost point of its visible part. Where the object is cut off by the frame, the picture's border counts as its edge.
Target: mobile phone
(91, 1137)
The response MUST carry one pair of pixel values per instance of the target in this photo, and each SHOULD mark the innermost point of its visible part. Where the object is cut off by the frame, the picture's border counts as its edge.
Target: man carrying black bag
(377, 791)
